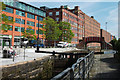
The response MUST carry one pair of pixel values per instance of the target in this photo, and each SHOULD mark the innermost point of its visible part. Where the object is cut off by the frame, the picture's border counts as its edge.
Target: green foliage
(67, 33)
(52, 31)
(5, 27)
(29, 33)
(116, 44)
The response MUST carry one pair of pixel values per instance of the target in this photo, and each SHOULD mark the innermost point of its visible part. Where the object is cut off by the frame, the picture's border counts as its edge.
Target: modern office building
(74, 16)
(92, 29)
(24, 15)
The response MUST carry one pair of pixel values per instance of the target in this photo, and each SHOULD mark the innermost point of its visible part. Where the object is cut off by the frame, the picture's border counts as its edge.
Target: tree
(52, 31)
(116, 44)
(29, 33)
(6, 20)
(113, 42)
(67, 33)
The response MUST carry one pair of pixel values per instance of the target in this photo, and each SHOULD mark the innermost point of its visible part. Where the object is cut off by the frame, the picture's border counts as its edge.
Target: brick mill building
(92, 29)
(107, 36)
(24, 15)
(74, 16)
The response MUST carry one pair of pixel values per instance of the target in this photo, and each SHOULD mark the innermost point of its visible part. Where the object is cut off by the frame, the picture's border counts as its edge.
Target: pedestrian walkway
(105, 67)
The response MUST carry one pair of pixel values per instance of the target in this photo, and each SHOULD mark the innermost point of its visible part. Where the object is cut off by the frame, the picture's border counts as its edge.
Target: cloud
(112, 20)
(70, 0)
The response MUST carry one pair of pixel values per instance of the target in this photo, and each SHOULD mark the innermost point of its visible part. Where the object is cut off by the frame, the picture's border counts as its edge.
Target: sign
(10, 36)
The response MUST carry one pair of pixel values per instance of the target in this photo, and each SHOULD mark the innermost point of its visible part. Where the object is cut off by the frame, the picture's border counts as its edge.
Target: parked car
(40, 45)
(62, 44)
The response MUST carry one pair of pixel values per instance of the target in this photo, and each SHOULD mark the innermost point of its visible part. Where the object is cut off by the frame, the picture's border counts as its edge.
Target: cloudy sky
(103, 11)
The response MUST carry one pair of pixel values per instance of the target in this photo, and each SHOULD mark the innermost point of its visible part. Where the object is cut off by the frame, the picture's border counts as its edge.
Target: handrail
(79, 70)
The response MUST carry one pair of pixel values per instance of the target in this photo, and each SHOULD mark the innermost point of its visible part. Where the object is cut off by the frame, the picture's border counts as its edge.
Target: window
(22, 29)
(23, 6)
(36, 11)
(10, 18)
(40, 25)
(11, 28)
(23, 21)
(57, 13)
(28, 8)
(7, 9)
(44, 14)
(50, 13)
(8, 26)
(18, 29)
(30, 23)
(40, 18)
(30, 16)
(20, 13)
(17, 20)
(76, 34)
(30, 29)
(57, 19)
(40, 32)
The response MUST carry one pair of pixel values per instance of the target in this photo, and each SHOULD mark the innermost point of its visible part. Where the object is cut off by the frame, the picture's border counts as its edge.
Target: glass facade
(30, 16)
(40, 32)
(57, 19)
(11, 28)
(20, 13)
(50, 13)
(7, 9)
(57, 13)
(40, 25)
(17, 20)
(40, 18)
(30, 23)
(25, 7)
(18, 29)
(29, 30)
(10, 18)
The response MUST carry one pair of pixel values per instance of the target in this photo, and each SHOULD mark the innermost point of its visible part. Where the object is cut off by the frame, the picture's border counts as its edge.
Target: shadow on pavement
(109, 69)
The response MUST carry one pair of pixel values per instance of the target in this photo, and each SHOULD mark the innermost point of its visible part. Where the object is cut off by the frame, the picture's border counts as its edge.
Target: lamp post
(38, 36)
(106, 34)
(20, 27)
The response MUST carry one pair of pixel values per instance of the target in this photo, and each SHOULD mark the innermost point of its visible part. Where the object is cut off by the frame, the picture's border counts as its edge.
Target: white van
(62, 44)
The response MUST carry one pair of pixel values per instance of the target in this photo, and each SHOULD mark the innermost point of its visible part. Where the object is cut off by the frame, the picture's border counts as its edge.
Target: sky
(102, 10)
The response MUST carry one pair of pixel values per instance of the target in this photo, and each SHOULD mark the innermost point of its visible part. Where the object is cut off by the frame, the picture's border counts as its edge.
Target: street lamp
(20, 27)
(106, 34)
(38, 36)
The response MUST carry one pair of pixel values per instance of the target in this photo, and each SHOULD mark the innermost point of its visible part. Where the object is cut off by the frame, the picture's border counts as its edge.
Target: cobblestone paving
(106, 67)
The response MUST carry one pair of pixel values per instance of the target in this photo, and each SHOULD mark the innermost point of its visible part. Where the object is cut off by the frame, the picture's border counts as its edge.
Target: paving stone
(105, 67)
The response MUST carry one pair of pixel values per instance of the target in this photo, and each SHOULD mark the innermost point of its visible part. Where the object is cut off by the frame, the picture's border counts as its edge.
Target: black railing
(80, 70)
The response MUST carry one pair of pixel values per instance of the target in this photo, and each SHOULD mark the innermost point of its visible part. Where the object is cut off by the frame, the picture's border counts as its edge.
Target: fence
(79, 71)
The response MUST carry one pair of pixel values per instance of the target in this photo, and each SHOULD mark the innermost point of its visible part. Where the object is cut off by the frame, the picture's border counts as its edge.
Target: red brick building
(92, 29)
(107, 36)
(74, 16)
(24, 15)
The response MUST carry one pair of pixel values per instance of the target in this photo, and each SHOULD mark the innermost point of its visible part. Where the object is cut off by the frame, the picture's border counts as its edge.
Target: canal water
(110, 52)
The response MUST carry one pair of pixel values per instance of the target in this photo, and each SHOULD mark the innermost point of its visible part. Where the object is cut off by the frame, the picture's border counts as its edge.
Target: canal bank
(40, 68)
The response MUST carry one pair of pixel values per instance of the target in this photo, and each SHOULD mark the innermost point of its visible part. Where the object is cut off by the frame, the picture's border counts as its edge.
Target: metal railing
(79, 71)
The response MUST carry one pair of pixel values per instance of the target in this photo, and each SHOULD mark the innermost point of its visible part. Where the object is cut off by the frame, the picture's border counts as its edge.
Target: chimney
(92, 17)
(62, 7)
